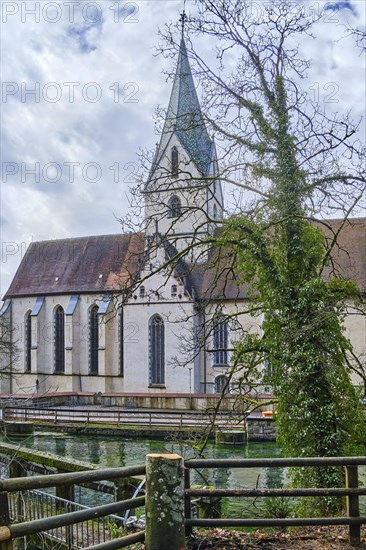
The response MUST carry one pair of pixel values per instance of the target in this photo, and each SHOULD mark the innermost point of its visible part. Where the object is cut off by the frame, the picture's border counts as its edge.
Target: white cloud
(104, 132)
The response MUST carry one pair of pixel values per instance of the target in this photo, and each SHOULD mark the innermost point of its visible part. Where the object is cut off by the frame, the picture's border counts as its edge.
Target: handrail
(120, 543)
(181, 480)
(352, 492)
(71, 478)
(124, 410)
(37, 526)
(321, 492)
(275, 462)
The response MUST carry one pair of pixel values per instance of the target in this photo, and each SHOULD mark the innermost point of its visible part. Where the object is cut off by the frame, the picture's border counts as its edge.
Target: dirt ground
(311, 538)
(328, 538)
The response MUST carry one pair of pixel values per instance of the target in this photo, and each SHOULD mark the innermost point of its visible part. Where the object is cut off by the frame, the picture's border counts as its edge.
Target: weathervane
(183, 16)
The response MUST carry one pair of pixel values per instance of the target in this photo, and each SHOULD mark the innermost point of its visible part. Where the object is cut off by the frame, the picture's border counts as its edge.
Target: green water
(117, 451)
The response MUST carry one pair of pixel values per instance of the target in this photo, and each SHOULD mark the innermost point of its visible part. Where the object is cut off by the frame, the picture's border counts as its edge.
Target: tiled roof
(216, 279)
(107, 262)
(349, 254)
(86, 264)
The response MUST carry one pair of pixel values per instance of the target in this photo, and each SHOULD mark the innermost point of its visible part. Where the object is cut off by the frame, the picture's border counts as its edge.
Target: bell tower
(183, 195)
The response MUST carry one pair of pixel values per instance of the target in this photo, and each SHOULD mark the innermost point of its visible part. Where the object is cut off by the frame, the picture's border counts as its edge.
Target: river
(118, 451)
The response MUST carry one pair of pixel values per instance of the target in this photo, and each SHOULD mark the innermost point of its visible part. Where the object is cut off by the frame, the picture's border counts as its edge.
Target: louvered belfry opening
(174, 207)
(174, 161)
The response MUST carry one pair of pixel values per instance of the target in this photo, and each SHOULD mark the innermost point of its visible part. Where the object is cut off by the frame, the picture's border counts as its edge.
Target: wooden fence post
(353, 507)
(164, 502)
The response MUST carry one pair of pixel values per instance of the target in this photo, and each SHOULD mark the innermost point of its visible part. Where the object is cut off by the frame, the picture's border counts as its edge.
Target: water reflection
(117, 451)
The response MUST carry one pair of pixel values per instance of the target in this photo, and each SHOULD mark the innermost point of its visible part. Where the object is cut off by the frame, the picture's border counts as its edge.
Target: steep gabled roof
(348, 258)
(184, 117)
(85, 264)
(73, 266)
(215, 280)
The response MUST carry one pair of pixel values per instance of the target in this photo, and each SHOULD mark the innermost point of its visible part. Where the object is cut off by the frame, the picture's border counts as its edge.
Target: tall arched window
(59, 332)
(220, 340)
(28, 341)
(215, 216)
(174, 207)
(157, 350)
(220, 384)
(174, 161)
(93, 340)
(121, 344)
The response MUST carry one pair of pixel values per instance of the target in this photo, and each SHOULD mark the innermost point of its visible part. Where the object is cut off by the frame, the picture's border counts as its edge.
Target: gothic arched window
(220, 384)
(59, 333)
(174, 207)
(93, 340)
(121, 343)
(174, 161)
(220, 340)
(28, 341)
(157, 350)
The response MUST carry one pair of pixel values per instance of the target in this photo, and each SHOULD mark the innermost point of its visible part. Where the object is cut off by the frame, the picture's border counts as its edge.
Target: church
(77, 329)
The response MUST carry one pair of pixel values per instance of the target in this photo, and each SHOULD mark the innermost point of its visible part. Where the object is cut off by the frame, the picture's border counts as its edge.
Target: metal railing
(77, 525)
(352, 492)
(181, 419)
(169, 476)
(34, 505)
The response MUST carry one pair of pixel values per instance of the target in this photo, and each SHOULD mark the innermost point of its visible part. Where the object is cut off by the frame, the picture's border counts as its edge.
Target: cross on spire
(183, 17)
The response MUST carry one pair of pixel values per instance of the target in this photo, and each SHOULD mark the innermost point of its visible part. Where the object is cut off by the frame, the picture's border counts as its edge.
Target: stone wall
(261, 429)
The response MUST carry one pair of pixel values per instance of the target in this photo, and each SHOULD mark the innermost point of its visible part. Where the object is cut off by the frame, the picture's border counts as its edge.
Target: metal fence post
(164, 502)
(353, 506)
(187, 500)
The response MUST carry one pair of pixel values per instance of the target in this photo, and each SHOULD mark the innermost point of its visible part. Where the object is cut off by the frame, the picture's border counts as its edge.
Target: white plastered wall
(196, 198)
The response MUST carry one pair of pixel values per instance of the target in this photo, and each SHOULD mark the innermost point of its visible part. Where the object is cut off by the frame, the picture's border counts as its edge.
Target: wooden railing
(169, 494)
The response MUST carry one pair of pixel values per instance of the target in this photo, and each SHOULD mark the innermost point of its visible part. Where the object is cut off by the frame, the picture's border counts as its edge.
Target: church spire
(184, 116)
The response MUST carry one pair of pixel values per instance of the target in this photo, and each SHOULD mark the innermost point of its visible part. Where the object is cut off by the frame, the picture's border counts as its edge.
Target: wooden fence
(168, 499)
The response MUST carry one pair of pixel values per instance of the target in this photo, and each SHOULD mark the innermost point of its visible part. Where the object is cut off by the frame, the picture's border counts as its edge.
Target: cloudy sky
(80, 87)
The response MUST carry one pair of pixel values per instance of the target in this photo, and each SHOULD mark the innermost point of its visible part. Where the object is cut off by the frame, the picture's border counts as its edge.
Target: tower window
(215, 212)
(59, 332)
(174, 207)
(220, 341)
(157, 350)
(142, 292)
(28, 342)
(174, 290)
(93, 340)
(174, 161)
(220, 384)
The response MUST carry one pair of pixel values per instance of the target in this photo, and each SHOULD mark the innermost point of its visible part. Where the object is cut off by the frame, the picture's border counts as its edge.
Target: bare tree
(298, 164)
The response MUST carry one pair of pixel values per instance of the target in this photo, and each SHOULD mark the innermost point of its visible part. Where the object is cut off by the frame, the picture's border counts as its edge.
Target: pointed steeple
(184, 117)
